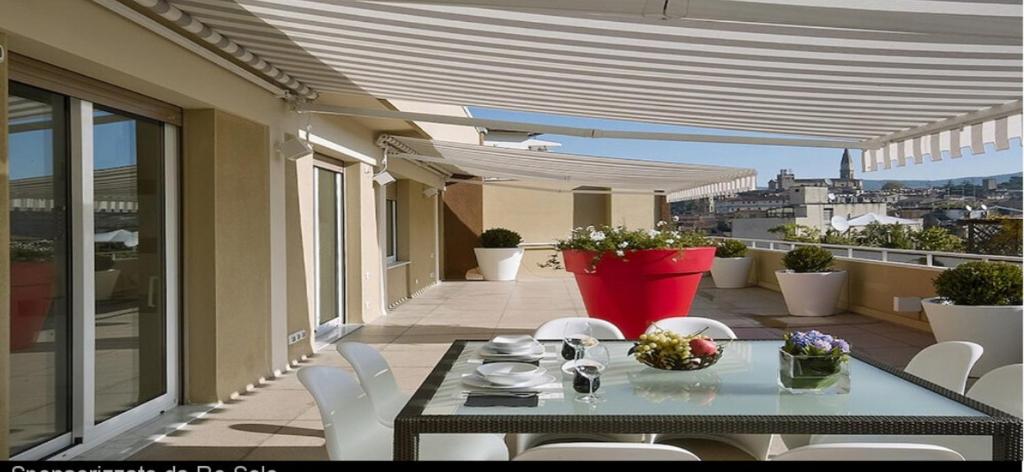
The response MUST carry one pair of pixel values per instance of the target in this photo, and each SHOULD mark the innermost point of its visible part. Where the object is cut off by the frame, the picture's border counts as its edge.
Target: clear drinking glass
(575, 335)
(588, 371)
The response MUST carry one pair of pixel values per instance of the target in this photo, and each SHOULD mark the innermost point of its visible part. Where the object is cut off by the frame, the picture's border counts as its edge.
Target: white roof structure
(900, 79)
(568, 171)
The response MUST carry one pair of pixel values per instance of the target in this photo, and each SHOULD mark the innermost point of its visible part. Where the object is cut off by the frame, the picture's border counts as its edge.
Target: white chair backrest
(946, 364)
(692, 324)
(600, 329)
(606, 451)
(376, 378)
(870, 452)
(1001, 389)
(351, 429)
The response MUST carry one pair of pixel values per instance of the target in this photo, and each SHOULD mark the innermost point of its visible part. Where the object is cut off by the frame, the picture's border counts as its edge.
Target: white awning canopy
(569, 171)
(907, 78)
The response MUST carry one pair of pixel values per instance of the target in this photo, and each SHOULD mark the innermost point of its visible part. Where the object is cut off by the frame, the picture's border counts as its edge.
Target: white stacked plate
(512, 348)
(508, 376)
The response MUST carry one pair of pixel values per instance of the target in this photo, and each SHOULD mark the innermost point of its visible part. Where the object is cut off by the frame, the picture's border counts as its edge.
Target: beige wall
(591, 209)
(870, 286)
(417, 241)
(226, 254)
(300, 253)
(538, 216)
(633, 211)
(398, 283)
(5, 267)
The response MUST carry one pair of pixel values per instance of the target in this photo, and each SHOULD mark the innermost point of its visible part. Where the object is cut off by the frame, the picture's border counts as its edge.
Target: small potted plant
(814, 362)
(731, 268)
(32, 286)
(809, 285)
(499, 254)
(980, 302)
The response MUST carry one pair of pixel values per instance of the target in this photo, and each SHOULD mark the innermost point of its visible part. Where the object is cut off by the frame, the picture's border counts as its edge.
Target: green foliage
(500, 238)
(937, 239)
(888, 236)
(620, 240)
(37, 250)
(981, 283)
(1007, 241)
(808, 259)
(797, 233)
(841, 239)
(730, 248)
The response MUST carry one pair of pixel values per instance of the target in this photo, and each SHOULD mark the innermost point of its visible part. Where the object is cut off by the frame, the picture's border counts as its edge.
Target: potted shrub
(32, 283)
(809, 285)
(731, 268)
(499, 254)
(980, 302)
(635, 277)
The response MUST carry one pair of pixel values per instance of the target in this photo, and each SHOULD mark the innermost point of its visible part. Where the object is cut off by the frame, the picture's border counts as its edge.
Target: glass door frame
(333, 328)
(85, 433)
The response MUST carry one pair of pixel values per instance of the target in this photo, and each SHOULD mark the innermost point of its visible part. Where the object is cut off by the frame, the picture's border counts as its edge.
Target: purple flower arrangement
(817, 344)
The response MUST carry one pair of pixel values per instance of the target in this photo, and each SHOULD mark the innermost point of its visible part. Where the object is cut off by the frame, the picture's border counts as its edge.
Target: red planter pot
(31, 294)
(643, 287)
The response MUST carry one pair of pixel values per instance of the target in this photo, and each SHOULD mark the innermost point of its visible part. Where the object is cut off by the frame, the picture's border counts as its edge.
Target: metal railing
(911, 257)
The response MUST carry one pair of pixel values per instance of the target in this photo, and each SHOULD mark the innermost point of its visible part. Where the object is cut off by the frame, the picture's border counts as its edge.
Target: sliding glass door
(93, 271)
(329, 244)
(40, 343)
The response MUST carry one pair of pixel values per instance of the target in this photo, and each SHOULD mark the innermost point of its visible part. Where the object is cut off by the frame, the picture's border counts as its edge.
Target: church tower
(846, 167)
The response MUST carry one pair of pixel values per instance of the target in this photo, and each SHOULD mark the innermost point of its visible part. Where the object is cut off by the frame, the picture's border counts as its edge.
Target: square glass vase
(813, 374)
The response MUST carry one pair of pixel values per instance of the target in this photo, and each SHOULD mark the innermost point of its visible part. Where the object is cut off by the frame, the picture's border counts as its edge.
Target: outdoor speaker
(294, 148)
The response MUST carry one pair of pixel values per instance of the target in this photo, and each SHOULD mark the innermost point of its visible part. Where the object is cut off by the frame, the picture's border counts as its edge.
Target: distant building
(989, 183)
(846, 183)
(812, 206)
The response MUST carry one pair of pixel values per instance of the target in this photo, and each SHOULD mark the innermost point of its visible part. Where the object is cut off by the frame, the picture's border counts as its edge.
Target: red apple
(703, 347)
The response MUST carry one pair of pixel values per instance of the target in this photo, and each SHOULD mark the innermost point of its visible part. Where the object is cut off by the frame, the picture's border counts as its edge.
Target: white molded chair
(606, 451)
(353, 432)
(600, 329)
(1002, 389)
(686, 325)
(870, 452)
(376, 378)
(946, 364)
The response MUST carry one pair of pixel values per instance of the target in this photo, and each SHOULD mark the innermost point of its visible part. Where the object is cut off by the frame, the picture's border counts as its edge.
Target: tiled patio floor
(279, 421)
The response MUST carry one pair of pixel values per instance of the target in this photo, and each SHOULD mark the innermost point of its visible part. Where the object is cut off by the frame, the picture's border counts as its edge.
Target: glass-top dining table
(739, 394)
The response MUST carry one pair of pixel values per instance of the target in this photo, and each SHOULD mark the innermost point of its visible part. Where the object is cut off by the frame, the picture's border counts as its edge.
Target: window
(391, 216)
(828, 215)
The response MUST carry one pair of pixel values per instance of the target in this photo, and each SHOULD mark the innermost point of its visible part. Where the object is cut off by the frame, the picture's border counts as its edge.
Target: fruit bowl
(663, 349)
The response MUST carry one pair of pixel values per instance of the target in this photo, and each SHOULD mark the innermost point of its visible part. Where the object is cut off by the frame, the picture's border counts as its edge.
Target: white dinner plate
(509, 373)
(475, 380)
(534, 350)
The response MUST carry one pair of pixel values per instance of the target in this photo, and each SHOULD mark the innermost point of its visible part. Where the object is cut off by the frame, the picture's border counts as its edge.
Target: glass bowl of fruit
(667, 350)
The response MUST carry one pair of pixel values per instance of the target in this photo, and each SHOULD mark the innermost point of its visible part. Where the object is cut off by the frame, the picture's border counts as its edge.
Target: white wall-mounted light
(429, 192)
(294, 148)
(383, 178)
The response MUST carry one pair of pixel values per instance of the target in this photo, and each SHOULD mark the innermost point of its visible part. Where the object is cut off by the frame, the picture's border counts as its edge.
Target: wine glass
(588, 372)
(575, 335)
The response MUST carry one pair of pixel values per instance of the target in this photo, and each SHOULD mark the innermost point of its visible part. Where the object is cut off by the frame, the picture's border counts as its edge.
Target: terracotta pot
(644, 286)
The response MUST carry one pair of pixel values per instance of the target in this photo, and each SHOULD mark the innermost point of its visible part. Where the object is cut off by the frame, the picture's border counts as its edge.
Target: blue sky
(806, 162)
(113, 146)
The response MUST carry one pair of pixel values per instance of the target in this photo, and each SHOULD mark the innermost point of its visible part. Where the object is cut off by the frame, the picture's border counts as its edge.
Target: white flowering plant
(620, 241)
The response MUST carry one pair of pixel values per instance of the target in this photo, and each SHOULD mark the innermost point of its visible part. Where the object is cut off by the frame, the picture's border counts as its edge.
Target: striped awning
(521, 167)
(884, 75)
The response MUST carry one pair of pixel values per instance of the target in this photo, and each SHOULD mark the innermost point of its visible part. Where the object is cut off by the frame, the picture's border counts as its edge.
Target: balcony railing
(878, 254)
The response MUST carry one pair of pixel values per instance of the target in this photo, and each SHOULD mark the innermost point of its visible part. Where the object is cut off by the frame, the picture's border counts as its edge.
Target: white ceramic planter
(499, 263)
(995, 328)
(731, 272)
(106, 281)
(811, 293)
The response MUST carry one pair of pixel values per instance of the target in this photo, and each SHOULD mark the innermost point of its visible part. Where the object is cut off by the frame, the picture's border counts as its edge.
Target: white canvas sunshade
(887, 75)
(568, 171)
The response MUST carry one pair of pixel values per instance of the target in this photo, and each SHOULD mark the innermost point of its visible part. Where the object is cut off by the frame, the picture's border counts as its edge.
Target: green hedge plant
(500, 238)
(806, 259)
(981, 283)
(730, 248)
